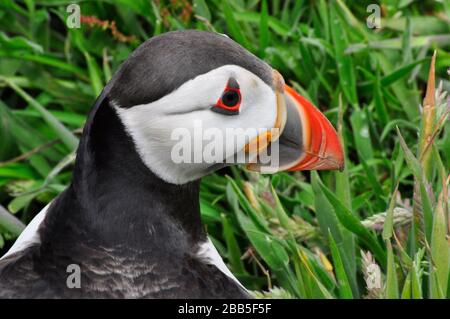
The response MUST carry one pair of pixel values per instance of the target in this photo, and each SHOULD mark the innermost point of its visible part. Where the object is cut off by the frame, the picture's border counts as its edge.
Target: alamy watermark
(232, 145)
(74, 278)
(73, 20)
(373, 21)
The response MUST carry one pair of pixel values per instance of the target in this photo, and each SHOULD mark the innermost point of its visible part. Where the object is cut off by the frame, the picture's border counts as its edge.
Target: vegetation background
(377, 230)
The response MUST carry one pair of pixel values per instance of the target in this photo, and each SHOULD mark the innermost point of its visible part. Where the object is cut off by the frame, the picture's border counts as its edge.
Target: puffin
(129, 225)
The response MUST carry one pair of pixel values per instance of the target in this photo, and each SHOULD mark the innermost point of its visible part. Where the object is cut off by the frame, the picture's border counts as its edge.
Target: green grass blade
(406, 291)
(254, 215)
(324, 211)
(389, 222)
(68, 138)
(345, 66)
(361, 134)
(263, 29)
(201, 8)
(10, 223)
(233, 26)
(345, 291)
(417, 170)
(45, 60)
(94, 74)
(400, 73)
(440, 246)
(391, 277)
(353, 224)
(234, 252)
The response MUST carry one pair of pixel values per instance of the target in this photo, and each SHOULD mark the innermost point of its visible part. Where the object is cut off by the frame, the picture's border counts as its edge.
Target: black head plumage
(163, 63)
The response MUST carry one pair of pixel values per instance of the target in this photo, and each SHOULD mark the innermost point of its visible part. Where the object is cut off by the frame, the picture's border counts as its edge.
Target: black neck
(116, 199)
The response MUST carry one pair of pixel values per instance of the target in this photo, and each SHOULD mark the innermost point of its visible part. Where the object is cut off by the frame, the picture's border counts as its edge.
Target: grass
(301, 235)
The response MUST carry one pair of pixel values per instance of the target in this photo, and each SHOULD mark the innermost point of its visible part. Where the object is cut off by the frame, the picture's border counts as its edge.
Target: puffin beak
(320, 144)
(307, 140)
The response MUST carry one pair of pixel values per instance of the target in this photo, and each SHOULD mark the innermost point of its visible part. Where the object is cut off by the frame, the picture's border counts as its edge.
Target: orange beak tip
(322, 145)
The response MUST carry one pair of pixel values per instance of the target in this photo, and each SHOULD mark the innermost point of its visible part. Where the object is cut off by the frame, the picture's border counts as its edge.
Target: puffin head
(195, 101)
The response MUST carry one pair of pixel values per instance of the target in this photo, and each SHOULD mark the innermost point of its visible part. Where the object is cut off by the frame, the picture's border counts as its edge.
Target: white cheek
(151, 126)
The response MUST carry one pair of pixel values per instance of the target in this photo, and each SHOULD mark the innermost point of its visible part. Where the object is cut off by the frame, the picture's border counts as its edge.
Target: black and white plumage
(130, 218)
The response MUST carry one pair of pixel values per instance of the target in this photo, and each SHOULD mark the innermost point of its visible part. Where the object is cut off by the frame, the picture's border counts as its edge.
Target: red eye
(230, 101)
